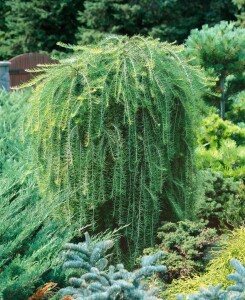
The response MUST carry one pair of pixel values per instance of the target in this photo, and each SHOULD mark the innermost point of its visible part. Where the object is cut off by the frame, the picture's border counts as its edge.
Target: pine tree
(220, 49)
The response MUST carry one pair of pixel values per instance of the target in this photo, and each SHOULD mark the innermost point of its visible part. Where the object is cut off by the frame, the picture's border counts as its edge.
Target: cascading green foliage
(113, 129)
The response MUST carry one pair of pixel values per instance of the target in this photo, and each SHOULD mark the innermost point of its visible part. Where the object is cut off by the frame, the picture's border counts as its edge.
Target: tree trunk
(222, 101)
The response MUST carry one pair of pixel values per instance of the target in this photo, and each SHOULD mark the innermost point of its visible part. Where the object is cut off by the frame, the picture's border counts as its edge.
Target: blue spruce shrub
(99, 282)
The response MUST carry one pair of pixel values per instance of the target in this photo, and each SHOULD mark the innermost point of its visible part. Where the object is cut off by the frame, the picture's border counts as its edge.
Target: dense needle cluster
(98, 281)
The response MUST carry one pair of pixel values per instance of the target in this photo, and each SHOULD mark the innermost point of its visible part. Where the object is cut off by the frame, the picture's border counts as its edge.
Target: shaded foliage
(164, 19)
(237, 109)
(41, 24)
(185, 245)
(240, 4)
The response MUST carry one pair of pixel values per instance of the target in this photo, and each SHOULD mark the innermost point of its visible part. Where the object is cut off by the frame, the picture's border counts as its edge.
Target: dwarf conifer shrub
(221, 147)
(223, 201)
(235, 291)
(185, 245)
(216, 272)
(98, 281)
(113, 131)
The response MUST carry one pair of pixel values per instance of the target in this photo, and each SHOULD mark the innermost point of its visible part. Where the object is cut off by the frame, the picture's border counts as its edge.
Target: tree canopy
(169, 20)
(37, 25)
(43, 23)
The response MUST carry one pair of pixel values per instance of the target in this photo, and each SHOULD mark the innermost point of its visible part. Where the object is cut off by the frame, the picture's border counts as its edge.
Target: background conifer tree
(168, 20)
(37, 25)
(42, 23)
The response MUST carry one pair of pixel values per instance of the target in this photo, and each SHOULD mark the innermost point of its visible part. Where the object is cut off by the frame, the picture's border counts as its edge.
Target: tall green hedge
(113, 132)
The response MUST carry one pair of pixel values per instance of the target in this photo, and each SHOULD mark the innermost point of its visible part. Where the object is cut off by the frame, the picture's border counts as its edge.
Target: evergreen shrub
(217, 270)
(98, 281)
(113, 132)
(185, 245)
(221, 147)
(237, 110)
(235, 291)
(29, 239)
(223, 204)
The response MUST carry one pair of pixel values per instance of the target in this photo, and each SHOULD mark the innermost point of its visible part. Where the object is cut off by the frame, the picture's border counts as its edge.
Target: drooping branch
(113, 130)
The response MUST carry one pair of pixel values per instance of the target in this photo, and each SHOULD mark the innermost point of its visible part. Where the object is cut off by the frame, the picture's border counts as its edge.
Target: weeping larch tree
(113, 127)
